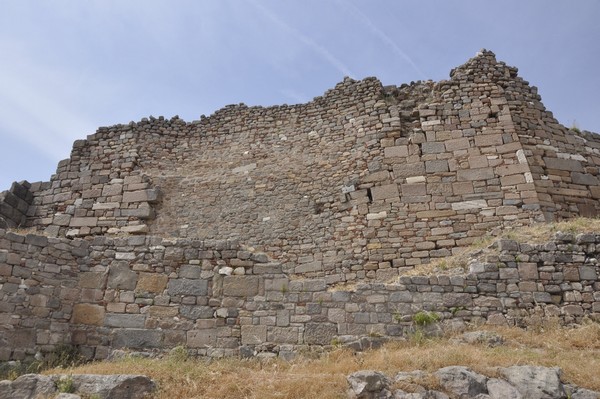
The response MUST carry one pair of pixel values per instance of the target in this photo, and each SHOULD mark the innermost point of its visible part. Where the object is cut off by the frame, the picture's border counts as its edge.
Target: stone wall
(218, 298)
(14, 205)
(363, 182)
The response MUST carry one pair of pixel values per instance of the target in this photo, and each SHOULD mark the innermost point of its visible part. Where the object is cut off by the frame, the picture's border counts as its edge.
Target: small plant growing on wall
(423, 318)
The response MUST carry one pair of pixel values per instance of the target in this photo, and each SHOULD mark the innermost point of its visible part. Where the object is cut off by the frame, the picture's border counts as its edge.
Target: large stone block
(202, 338)
(121, 277)
(137, 338)
(254, 335)
(87, 313)
(84, 222)
(409, 169)
(570, 165)
(242, 286)
(475, 174)
(184, 286)
(124, 320)
(283, 335)
(385, 192)
(151, 282)
(319, 333)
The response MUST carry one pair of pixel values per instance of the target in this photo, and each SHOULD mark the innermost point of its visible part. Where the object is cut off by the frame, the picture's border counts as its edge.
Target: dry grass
(575, 350)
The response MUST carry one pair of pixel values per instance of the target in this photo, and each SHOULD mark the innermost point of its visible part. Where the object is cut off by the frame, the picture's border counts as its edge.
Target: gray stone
(124, 320)
(535, 382)
(319, 333)
(368, 384)
(137, 338)
(28, 386)
(500, 389)
(183, 286)
(575, 392)
(113, 386)
(120, 276)
(462, 381)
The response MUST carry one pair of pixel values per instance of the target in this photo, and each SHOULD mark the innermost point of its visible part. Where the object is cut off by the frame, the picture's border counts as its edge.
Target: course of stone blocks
(232, 234)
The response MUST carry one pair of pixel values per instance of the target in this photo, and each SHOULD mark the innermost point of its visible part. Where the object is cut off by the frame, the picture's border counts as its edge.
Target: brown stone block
(414, 189)
(84, 222)
(475, 174)
(460, 188)
(202, 338)
(254, 335)
(385, 192)
(163, 311)
(242, 286)
(457, 144)
(92, 280)
(528, 271)
(86, 313)
(487, 140)
(399, 151)
(409, 169)
(505, 170)
(512, 180)
(151, 282)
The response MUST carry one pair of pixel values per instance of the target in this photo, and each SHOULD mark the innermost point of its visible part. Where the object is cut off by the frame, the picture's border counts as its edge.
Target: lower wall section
(218, 298)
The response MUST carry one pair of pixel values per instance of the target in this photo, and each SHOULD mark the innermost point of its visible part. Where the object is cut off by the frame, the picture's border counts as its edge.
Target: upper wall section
(359, 183)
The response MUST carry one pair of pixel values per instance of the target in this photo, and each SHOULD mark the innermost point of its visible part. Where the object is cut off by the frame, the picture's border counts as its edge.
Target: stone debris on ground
(458, 382)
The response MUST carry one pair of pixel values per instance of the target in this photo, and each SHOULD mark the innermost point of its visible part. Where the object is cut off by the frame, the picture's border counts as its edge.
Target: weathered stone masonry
(220, 299)
(359, 183)
(227, 234)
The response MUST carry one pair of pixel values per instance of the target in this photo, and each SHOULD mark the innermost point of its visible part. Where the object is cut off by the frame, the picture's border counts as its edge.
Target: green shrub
(425, 318)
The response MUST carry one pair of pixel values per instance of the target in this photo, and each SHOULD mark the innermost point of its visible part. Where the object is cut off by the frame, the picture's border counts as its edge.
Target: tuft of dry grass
(575, 350)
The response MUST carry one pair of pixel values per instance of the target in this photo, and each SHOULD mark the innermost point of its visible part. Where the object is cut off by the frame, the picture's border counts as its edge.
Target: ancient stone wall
(14, 205)
(233, 234)
(359, 183)
(218, 298)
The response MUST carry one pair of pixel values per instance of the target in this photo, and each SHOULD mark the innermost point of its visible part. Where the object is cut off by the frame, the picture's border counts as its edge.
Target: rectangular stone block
(436, 165)
(151, 282)
(465, 205)
(414, 189)
(254, 335)
(475, 174)
(528, 271)
(283, 335)
(385, 192)
(89, 314)
(137, 338)
(486, 140)
(396, 151)
(513, 169)
(241, 286)
(409, 169)
(457, 144)
(84, 222)
(148, 195)
(124, 320)
(570, 165)
(183, 286)
(433, 147)
(202, 338)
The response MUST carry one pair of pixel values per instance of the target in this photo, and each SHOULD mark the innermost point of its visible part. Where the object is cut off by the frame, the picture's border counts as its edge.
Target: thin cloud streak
(380, 34)
(322, 51)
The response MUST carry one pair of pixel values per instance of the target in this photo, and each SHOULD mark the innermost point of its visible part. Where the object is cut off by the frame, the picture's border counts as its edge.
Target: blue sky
(70, 66)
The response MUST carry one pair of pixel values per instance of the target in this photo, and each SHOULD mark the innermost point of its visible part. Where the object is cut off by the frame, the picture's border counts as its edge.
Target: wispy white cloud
(36, 107)
(385, 38)
(316, 47)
